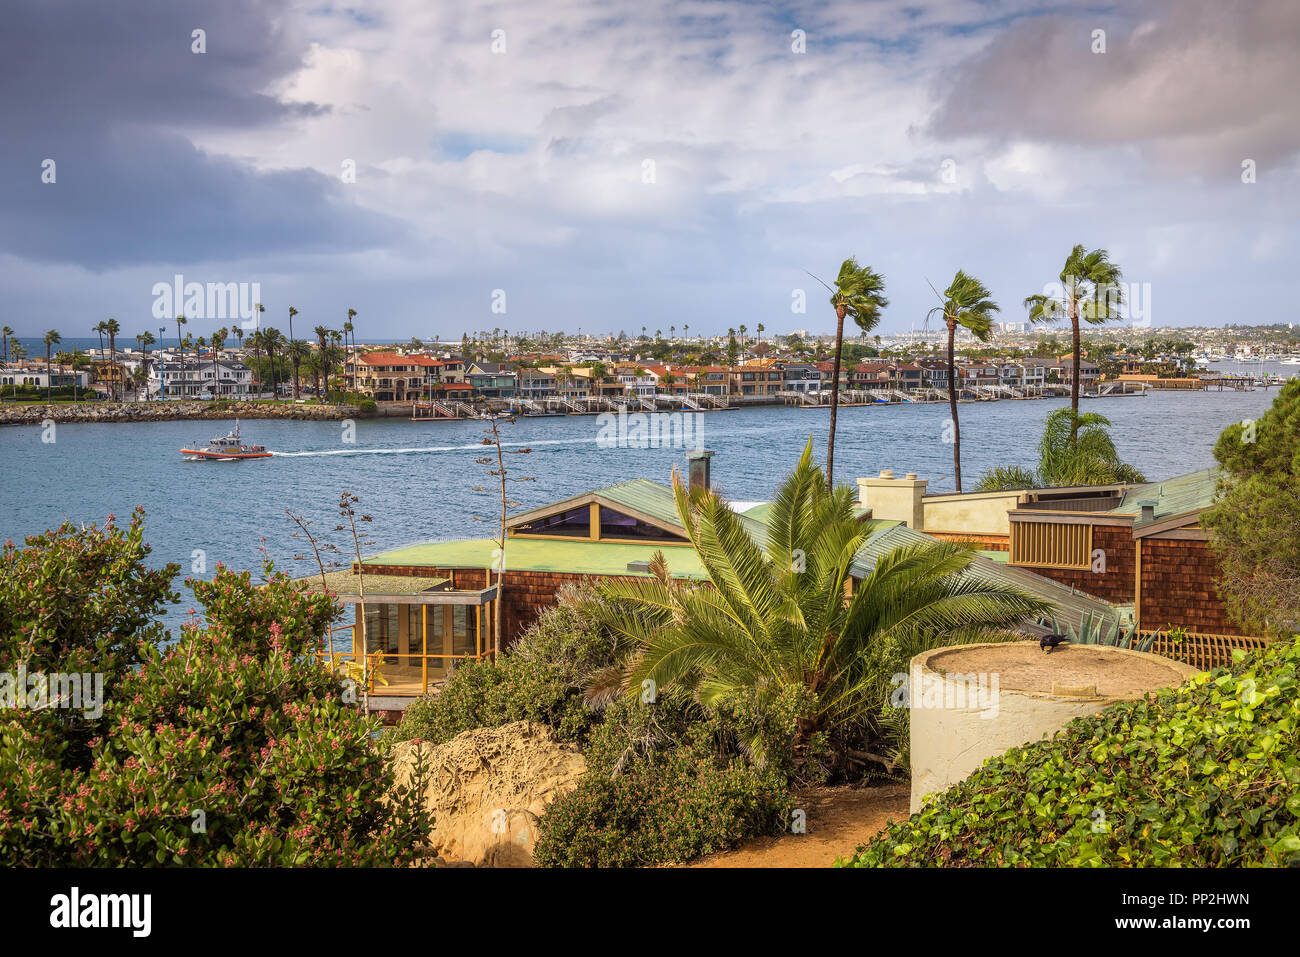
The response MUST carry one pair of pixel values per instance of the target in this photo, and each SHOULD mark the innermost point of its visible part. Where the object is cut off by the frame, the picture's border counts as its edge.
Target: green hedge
(1204, 775)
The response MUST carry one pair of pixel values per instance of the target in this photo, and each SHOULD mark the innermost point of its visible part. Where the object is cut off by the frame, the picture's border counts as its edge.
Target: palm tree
(5, 335)
(293, 355)
(112, 327)
(760, 333)
(1070, 453)
(273, 341)
(348, 331)
(311, 363)
(297, 350)
(198, 360)
(100, 327)
(860, 293)
(776, 628)
(188, 343)
(1090, 290)
(966, 304)
(218, 343)
(322, 340)
(18, 354)
(51, 338)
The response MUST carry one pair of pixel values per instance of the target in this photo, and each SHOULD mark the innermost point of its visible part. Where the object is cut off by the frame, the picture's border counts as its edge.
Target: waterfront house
(429, 606)
(635, 380)
(184, 377)
(492, 380)
(800, 377)
(870, 375)
(387, 376)
(934, 374)
(1063, 370)
(908, 376)
(536, 383)
(757, 377)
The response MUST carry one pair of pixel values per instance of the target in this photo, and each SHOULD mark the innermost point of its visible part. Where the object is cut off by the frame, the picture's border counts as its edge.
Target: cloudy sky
(616, 164)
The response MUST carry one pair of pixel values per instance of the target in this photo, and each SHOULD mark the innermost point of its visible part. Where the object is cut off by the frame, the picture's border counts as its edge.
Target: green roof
(649, 498)
(346, 582)
(644, 495)
(1175, 496)
(543, 555)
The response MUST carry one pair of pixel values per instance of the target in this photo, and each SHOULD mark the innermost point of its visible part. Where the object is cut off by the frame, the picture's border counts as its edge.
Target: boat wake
(428, 450)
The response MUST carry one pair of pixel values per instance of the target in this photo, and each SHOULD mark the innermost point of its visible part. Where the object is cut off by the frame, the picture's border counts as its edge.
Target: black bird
(1048, 642)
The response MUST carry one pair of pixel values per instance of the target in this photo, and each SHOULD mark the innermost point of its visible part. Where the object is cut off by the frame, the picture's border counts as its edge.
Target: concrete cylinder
(972, 702)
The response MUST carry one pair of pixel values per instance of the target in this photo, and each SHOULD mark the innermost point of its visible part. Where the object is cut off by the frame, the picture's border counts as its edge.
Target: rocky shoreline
(34, 414)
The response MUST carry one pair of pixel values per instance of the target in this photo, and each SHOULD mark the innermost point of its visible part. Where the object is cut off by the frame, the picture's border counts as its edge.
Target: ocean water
(417, 479)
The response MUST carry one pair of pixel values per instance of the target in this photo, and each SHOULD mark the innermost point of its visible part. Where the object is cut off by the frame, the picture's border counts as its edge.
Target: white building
(37, 376)
(183, 378)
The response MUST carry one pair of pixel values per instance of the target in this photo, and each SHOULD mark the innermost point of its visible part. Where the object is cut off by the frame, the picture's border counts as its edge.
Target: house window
(617, 525)
(381, 629)
(574, 522)
(463, 621)
(1051, 545)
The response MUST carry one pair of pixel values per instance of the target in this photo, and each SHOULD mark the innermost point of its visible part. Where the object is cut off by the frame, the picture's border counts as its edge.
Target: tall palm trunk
(49, 382)
(840, 312)
(112, 363)
(1074, 385)
(952, 405)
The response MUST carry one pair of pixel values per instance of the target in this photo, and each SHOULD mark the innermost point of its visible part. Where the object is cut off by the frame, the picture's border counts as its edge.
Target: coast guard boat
(226, 448)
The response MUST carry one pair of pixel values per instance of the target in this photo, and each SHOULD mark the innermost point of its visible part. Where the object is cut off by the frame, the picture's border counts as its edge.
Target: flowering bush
(227, 747)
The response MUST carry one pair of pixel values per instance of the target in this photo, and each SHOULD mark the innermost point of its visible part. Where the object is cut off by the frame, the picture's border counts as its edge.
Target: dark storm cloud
(109, 90)
(1195, 84)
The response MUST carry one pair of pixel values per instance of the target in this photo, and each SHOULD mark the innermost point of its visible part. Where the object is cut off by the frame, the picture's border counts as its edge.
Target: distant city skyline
(445, 169)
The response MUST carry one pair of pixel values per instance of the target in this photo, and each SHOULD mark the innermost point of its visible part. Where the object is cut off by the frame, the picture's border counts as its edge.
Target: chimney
(698, 469)
(893, 499)
(1148, 508)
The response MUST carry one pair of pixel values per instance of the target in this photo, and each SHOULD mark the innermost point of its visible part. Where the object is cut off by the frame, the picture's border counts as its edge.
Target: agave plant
(1093, 631)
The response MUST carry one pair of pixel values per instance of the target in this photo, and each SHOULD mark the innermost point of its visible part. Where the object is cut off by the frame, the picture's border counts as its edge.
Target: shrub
(666, 807)
(367, 406)
(229, 747)
(1204, 775)
(486, 694)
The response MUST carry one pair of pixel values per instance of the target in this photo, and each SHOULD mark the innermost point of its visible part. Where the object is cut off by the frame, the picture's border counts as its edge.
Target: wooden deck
(407, 682)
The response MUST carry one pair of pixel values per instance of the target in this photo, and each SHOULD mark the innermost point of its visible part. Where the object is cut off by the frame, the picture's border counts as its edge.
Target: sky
(607, 166)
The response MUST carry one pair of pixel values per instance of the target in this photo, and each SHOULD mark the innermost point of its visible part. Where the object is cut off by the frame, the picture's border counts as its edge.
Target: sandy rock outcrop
(489, 787)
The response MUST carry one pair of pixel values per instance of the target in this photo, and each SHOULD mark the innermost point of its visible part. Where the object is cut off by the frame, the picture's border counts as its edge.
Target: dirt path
(839, 819)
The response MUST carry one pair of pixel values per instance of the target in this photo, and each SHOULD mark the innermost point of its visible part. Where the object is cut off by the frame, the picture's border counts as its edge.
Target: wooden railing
(395, 674)
(1201, 649)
